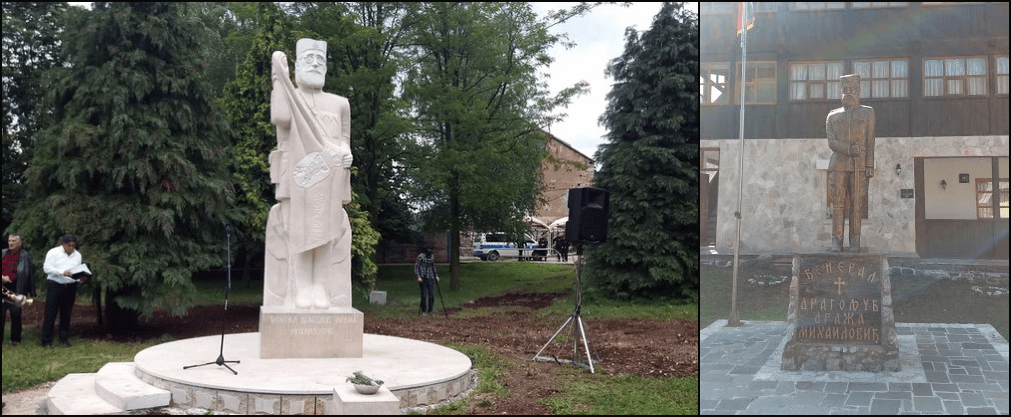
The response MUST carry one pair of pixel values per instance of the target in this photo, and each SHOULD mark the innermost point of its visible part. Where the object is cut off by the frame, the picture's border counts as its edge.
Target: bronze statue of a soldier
(850, 131)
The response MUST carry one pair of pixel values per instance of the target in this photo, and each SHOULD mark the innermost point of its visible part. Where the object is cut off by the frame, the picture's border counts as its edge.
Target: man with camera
(18, 279)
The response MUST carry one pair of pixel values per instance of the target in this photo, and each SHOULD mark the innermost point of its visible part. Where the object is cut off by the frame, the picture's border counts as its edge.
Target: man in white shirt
(61, 289)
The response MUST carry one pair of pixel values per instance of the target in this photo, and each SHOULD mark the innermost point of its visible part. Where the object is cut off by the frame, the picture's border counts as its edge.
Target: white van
(492, 246)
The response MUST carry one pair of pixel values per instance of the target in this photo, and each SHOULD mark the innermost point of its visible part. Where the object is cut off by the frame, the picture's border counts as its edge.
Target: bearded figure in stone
(850, 132)
(308, 236)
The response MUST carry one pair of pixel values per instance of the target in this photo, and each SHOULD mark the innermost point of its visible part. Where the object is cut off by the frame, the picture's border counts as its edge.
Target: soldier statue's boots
(319, 298)
(854, 244)
(303, 299)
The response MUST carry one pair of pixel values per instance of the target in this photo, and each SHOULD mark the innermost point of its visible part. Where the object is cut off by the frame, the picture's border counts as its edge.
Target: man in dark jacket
(18, 278)
(424, 269)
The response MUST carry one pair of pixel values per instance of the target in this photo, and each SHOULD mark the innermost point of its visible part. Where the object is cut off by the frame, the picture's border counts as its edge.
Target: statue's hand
(280, 64)
(347, 160)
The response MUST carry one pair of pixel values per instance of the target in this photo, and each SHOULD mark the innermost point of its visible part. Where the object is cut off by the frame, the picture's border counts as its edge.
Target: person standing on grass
(424, 269)
(61, 289)
(18, 278)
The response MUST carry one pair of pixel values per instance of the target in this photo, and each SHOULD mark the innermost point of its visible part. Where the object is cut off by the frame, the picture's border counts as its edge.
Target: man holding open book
(62, 263)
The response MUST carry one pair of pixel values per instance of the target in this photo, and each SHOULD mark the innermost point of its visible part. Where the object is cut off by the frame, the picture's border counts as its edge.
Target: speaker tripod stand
(221, 353)
(578, 330)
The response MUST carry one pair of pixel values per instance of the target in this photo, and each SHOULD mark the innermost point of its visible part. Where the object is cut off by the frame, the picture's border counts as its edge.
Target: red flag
(748, 10)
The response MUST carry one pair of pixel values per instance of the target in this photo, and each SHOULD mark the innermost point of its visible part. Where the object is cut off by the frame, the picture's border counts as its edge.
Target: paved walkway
(946, 369)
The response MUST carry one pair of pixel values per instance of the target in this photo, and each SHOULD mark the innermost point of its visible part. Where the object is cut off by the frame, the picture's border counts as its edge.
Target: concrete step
(118, 385)
(75, 395)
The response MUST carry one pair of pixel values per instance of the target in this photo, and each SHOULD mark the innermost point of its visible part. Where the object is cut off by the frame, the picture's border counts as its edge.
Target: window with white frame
(1001, 65)
(716, 7)
(984, 198)
(815, 80)
(817, 5)
(878, 4)
(954, 76)
(760, 87)
(714, 83)
(883, 78)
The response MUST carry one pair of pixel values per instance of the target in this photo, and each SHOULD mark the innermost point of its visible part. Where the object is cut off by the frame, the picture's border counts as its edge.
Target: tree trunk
(119, 320)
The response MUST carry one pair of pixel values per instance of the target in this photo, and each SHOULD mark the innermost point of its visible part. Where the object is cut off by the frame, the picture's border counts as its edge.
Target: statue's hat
(306, 44)
(851, 80)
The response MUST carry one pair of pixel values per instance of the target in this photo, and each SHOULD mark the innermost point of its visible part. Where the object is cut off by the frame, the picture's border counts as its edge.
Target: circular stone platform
(418, 373)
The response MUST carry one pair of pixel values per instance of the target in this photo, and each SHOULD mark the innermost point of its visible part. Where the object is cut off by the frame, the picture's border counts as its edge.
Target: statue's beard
(849, 101)
(306, 79)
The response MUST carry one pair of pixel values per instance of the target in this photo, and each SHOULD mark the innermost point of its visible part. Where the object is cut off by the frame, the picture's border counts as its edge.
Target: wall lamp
(898, 169)
(944, 184)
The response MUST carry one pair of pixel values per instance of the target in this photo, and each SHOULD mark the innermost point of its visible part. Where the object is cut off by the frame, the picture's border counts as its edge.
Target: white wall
(957, 201)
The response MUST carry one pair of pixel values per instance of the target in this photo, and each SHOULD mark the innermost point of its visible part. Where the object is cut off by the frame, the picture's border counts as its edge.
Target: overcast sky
(599, 38)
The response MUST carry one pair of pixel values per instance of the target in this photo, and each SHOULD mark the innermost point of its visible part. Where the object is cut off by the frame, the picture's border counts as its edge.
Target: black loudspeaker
(587, 215)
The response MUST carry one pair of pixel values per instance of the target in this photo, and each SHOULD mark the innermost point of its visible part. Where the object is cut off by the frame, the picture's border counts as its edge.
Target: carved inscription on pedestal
(290, 333)
(313, 325)
(839, 302)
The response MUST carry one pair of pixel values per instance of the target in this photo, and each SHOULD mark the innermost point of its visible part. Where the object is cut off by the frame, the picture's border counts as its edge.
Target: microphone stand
(221, 354)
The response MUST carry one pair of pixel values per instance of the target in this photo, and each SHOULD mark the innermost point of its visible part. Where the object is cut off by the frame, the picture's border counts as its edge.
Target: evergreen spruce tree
(135, 163)
(650, 164)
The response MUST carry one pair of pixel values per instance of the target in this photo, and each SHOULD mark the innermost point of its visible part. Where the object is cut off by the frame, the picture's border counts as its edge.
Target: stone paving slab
(946, 369)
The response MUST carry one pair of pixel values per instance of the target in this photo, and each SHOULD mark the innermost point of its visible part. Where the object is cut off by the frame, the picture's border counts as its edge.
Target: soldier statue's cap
(851, 80)
(306, 44)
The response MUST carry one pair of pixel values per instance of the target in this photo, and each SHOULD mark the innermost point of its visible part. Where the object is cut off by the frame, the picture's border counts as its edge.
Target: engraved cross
(839, 283)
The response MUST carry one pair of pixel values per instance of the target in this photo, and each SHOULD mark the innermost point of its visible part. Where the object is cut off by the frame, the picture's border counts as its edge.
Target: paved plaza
(946, 369)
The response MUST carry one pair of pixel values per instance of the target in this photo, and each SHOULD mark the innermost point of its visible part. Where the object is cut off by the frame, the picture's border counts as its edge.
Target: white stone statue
(308, 237)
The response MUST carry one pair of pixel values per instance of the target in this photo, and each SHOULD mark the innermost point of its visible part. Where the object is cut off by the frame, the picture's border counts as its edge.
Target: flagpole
(734, 319)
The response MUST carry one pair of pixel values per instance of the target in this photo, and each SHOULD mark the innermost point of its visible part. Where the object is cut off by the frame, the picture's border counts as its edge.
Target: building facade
(564, 168)
(936, 75)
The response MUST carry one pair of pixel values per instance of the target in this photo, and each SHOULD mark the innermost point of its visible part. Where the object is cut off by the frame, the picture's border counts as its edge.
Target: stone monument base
(287, 333)
(840, 315)
(417, 373)
(808, 357)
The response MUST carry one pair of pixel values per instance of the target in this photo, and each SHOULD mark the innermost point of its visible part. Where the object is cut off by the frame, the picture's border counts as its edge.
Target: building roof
(553, 137)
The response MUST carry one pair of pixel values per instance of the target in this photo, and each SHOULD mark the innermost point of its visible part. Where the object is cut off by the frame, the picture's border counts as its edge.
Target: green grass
(753, 302)
(477, 280)
(623, 394)
(29, 364)
(580, 391)
(212, 292)
(948, 301)
(594, 307)
(915, 299)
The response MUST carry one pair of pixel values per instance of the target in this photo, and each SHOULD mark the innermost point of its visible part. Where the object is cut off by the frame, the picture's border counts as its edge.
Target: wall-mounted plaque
(906, 193)
(963, 178)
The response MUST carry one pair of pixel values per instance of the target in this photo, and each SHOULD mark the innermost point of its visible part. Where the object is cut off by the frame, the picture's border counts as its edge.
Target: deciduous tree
(478, 105)
(30, 47)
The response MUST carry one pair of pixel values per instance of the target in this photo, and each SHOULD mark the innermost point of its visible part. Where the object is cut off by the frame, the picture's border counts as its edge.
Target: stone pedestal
(840, 315)
(295, 333)
(347, 401)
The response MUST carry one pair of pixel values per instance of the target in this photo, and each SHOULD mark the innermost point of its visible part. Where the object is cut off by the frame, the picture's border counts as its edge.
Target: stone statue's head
(850, 90)
(310, 63)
